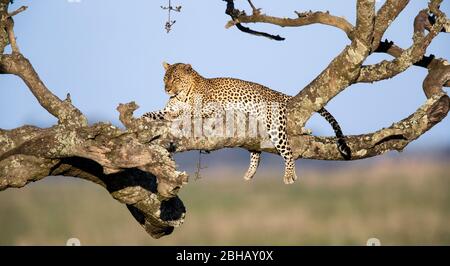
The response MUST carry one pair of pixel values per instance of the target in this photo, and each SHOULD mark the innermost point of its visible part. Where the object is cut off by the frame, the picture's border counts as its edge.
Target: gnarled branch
(304, 18)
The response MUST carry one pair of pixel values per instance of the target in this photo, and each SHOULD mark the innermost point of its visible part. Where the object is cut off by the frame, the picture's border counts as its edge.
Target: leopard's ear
(187, 66)
(165, 65)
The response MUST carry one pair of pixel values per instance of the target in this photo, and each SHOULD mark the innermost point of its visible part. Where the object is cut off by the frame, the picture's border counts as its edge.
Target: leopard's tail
(341, 144)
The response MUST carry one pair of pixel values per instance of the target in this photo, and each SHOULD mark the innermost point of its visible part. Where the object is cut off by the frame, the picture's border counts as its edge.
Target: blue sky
(106, 52)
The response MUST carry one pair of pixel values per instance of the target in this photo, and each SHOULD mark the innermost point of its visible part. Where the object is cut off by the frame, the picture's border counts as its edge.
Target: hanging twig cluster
(170, 22)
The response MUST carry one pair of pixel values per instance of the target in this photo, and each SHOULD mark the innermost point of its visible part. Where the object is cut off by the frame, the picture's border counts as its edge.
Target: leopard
(186, 87)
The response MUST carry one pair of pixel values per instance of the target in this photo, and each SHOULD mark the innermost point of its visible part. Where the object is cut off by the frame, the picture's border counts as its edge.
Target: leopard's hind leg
(277, 133)
(279, 139)
(254, 162)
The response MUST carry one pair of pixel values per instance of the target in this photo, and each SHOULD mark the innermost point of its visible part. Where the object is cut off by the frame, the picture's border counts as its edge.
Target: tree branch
(385, 16)
(339, 74)
(304, 18)
(142, 176)
(66, 113)
(134, 171)
(234, 14)
(395, 137)
(347, 69)
(408, 57)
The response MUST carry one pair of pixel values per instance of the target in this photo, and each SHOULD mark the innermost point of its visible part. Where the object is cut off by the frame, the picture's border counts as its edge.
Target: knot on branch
(126, 114)
(146, 130)
(423, 21)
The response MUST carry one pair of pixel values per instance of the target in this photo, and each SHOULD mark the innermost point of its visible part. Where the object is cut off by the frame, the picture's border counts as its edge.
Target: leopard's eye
(176, 81)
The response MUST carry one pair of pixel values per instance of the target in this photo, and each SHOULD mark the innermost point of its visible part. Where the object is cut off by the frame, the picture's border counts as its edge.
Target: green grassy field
(404, 202)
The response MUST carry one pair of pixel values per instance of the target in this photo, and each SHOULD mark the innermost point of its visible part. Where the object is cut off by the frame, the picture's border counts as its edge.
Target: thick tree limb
(102, 154)
(344, 68)
(338, 75)
(395, 137)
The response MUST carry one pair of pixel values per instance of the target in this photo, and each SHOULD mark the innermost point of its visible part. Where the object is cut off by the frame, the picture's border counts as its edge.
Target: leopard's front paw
(248, 177)
(289, 177)
(250, 173)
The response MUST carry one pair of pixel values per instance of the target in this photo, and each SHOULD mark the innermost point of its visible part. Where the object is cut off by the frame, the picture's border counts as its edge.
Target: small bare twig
(9, 23)
(170, 22)
(199, 164)
(19, 10)
(256, 11)
(11, 36)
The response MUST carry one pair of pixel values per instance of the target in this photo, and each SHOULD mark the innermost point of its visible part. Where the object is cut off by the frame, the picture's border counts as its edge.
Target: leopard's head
(179, 78)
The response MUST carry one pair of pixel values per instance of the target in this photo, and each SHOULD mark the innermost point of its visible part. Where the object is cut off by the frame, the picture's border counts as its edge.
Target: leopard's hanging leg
(279, 139)
(254, 162)
(276, 126)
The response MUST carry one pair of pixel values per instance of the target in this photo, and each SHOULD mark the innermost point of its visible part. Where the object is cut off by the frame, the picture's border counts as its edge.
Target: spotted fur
(217, 95)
